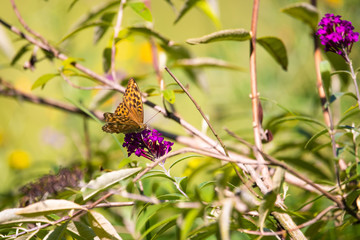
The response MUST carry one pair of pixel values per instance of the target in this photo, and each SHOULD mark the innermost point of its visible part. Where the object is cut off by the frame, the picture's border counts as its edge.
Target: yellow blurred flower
(192, 165)
(1, 137)
(24, 84)
(335, 3)
(145, 53)
(19, 159)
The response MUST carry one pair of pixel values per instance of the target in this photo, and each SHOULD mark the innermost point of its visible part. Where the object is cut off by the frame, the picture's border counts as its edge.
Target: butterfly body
(129, 115)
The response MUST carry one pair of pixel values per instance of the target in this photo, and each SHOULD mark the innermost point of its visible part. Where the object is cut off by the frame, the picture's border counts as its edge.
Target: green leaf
(82, 108)
(266, 206)
(72, 4)
(80, 230)
(148, 32)
(10, 216)
(298, 118)
(208, 8)
(83, 28)
(223, 35)
(19, 54)
(182, 159)
(304, 12)
(171, 221)
(147, 212)
(41, 81)
(152, 174)
(314, 137)
(188, 223)
(278, 179)
(105, 181)
(106, 59)
(276, 48)
(182, 181)
(49, 206)
(338, 95)
(207, 62)
(101, 226)
(325, 69)
(205, 232)
(58, 233)
(185, 8)
(100, 31)
(169, 95)
(68, 63)
(97, 11)
(141, 9)
(205, 184)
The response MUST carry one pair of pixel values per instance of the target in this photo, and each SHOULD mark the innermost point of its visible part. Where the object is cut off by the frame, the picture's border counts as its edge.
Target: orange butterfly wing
(129, 115)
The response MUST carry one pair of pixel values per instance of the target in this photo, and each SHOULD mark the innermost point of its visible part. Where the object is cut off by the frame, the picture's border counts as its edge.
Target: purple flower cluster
(337, 35)
(147, 143)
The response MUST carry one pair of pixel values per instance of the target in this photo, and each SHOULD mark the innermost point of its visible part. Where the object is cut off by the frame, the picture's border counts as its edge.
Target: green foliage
(199, 192)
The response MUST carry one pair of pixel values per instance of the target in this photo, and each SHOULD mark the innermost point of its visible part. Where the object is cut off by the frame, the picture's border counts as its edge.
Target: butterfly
(129, 115)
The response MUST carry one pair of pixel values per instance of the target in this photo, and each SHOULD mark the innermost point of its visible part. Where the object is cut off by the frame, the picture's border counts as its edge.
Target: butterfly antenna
(153, 116)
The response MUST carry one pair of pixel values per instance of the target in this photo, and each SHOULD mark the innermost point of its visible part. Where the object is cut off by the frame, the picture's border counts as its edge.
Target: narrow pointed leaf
(278, 179)
(325, 69)
(185, 8)
(211, 11)
(276, 48)
(141, 9)
(169, 95)
(188, 223)
(100, 30)
(49, 206)
(80, 230)
(207, 62)
(102, 227)
(91, 25)
(266, 206)
(148, 32)
(97, 11)
(223, 35)
(314, 137)
(9, 216)
(305, 12)
(105, 181)
(182, 159)
(24, 49)
(57, 233)
(41, 81)
(298, 118)
(168, 222)
(106, 59)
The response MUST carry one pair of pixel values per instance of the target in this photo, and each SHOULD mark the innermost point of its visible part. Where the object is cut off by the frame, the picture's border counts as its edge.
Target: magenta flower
(337, 35)
(147, 143)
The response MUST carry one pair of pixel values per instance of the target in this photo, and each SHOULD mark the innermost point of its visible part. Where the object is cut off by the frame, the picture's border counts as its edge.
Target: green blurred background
(35, 140)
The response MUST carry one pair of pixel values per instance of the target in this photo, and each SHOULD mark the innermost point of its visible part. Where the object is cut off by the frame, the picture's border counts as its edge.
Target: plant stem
(175, 183)
(353, 76)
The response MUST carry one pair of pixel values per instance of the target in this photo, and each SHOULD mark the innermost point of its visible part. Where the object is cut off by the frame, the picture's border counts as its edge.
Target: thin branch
(242, 160)
(6, 89)
(27, 28)
(290, 170)
(115, 86)
(112, 204)
(256, 107)
(117, 29)
(199, 109)
(83, 88)
(305, 224)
